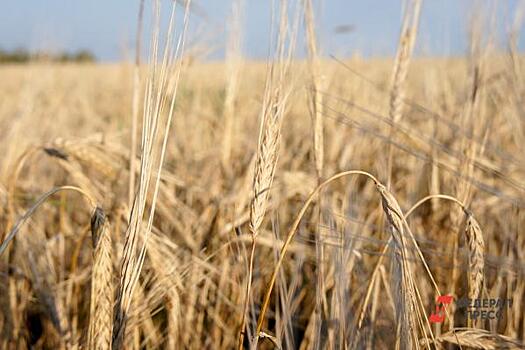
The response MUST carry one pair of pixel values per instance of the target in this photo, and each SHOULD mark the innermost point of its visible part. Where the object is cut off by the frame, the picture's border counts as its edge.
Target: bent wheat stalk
(366, 300)
(34, 207)
(475, 246)
(290, 236)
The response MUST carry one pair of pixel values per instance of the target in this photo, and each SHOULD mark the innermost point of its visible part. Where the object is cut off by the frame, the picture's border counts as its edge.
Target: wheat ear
(233, 65)
(101, 309)
(477, 339)
(403, 284)
(476, 249)
(268, 149)
(314, 94)
(404, 51)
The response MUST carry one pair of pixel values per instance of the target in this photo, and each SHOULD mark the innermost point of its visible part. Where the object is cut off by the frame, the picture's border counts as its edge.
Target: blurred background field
(461, 134)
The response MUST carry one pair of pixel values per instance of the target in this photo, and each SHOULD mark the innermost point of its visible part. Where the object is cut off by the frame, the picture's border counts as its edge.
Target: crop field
(292, 203)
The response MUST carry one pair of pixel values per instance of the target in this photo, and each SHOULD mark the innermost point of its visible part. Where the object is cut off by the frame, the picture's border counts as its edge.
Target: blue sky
(107, 27)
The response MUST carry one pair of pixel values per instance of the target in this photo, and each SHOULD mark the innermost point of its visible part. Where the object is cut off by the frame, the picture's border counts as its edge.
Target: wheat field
(293, 203)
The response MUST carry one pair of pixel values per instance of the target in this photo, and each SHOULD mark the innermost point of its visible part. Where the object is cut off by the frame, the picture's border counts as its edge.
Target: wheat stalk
(316, 113)
(160, 92)
(234, 60)
(268, 148)
(314, 93)
(404, 52)
(159, 252)
(135, 106)
(101, 309)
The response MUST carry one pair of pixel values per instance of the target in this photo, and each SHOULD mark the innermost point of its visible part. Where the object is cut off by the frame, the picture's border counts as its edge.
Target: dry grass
(236, 211)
